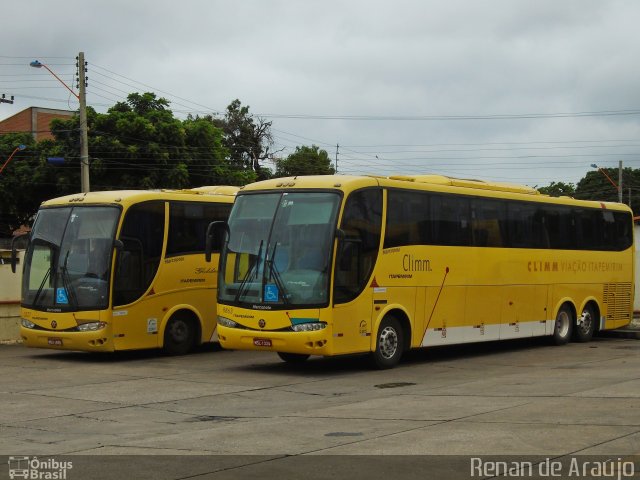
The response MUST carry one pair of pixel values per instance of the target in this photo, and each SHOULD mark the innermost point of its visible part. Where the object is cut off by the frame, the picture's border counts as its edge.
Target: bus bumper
(306, 343)
(97, 341)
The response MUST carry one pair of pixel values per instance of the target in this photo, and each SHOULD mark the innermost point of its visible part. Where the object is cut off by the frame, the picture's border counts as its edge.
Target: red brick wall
(21, 122)
(44, 119)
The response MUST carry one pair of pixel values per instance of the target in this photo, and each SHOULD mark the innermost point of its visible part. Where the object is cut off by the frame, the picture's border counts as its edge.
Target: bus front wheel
(563, 326)
(293, 357)
(389, 344)
(179, 335)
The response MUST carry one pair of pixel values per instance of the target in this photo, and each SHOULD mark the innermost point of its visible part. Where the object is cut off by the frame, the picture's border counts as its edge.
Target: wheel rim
(179, 332)
(388, 342)
(562, 324)
(585, 322)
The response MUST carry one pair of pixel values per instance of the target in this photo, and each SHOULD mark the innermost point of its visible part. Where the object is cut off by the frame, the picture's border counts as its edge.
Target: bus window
(407, 219)
(142, 235)
(560, 225)
(188, 223)
(488, 222)
(451, 224)
(361, 222)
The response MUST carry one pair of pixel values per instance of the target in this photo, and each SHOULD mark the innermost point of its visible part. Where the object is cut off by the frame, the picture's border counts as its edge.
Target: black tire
(389, 344)
(563, 326)
(585, 325)
(179, 335)
(293, 358)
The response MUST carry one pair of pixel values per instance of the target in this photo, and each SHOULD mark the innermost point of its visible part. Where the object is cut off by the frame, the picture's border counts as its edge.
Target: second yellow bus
(122, 270)
(334, 265)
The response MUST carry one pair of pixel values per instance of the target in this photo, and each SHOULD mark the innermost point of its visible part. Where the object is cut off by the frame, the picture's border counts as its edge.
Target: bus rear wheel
(585, 325)
(179, 335)
(389, 344)
(563, 326)
(293, 357)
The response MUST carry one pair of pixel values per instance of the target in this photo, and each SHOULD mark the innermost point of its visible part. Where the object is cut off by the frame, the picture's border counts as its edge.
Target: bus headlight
(308, 327)
(27, 324)
(226, 322)
(91, 326)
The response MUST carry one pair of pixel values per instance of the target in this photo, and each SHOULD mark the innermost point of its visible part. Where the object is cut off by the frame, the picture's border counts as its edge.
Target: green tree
(558, 189)
(21, 181)
(596, 186)
(137, 144)
(140, 144)
(305, 161)
(247, 138)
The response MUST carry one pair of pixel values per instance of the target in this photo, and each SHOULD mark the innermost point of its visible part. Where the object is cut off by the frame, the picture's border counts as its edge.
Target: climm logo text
(411, 263)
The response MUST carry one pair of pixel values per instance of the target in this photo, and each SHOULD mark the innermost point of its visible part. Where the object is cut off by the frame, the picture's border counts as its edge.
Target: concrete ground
(237, 414)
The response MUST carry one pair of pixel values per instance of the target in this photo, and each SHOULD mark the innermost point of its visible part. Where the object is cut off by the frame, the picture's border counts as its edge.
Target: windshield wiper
(275, 274)
(66, 282)
(41, 287)
(249, 275)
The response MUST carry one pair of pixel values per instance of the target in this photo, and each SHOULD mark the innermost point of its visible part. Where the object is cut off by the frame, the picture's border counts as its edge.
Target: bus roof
(435, 183)
(222, 194)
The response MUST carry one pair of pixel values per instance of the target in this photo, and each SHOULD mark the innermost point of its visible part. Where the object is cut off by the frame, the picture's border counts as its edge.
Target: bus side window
(488, 222)
(361, 222)
(142, 235)
(188, 222)
(451, 225)
(408, 220)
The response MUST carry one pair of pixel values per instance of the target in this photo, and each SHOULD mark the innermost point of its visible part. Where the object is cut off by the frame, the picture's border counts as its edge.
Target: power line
(515, 116)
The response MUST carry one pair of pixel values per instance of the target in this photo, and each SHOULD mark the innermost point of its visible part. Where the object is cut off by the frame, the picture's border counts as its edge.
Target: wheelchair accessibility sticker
(61, 296)
(271, 293)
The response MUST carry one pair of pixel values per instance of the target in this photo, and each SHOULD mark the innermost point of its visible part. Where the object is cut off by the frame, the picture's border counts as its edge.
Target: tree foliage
(247, 138)
(19, 202)
(305, 161)
(601, 185)
(559, 189)
(137, 144)
(596, 186)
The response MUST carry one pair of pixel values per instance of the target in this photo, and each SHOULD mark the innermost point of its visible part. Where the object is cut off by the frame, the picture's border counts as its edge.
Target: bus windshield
(68, 261)
(280, 250)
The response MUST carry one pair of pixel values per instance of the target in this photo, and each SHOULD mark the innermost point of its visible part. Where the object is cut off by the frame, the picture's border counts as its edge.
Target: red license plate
(262, 342)
(57, 342)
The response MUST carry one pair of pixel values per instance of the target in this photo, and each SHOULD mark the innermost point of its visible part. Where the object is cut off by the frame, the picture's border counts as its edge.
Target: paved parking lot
(517, 398)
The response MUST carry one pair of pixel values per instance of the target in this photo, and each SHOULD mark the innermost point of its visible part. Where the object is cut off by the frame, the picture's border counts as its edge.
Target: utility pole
(337, 147)
(4, 99)
(620, 181)
(84, 137)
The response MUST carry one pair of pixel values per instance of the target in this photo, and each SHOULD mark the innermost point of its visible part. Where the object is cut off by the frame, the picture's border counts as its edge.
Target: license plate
(262, 342)
(54, 341)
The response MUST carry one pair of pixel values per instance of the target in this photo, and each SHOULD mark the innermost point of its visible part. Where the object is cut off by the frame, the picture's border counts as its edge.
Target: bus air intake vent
(617, 298)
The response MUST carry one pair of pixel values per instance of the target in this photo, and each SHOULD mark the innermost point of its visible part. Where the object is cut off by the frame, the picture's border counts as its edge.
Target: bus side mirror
(118, 244)
(14, 252)
(340, 235)
(14, 258)
(210, 237)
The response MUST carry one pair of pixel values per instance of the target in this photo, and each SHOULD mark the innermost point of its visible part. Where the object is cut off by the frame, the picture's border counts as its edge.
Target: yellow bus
(333, 265)
(121, 270)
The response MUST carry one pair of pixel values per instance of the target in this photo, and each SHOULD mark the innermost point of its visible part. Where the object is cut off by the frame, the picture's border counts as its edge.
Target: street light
(82, 98)
(19, 148)
(615, 185)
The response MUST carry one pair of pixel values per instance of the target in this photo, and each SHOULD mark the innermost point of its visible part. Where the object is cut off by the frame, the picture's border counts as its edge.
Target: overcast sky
(520, 91)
